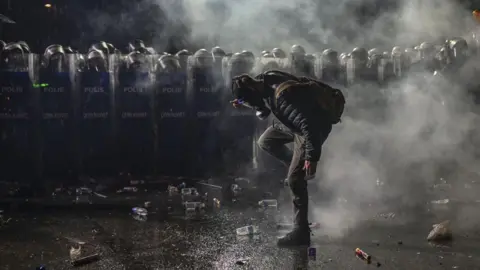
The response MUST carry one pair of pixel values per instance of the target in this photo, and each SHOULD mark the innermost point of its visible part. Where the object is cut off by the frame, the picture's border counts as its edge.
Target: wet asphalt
(40, 233)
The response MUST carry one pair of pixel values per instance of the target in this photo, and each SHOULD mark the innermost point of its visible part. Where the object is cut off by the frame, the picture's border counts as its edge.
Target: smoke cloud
(257, 25)
(419, 132)
(387, 152)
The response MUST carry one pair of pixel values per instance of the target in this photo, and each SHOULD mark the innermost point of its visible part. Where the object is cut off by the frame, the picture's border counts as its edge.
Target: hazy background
(422, 132)
(242, 24)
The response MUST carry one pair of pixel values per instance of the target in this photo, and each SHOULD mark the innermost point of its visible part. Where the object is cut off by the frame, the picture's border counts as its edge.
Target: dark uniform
(299, 119)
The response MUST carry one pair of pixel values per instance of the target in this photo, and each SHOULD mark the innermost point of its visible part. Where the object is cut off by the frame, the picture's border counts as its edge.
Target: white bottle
(248, 230)
(268, 203)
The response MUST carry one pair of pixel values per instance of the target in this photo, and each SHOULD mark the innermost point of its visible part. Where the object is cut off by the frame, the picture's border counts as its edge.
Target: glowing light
(48, 5)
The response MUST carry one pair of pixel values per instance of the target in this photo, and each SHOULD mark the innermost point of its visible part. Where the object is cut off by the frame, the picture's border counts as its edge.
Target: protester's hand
(310, 169)
(236, 103)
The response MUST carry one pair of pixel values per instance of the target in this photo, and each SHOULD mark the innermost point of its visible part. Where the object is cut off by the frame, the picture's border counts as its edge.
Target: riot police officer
(329, 66)
(459, 51)
(427, 56)
(278, 53)
(300, 65)
(137, 45)
(357, 65)
(182, 56)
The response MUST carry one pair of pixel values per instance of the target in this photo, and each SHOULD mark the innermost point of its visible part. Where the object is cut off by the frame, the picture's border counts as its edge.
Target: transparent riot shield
(398, 65)
(205, 95)
(18, 110)
(171, 119)
(57, 84)
(327, 68)
(385, 71)
(353, 71)
(95, 117)
(301, 67)
(238, 126)
(134, 121)
(265, 64)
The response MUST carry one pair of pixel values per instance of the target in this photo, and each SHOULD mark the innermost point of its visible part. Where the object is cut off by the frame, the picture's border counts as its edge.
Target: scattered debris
(242, 182)
(445, 201)
(147, 204)
(268, 203)
(236, 190)
(172, 190)
(400, 243)
(242, 261)
(362, 255)
(85, 260)
(216, 203)
(100, 195)
(194, 206)
(83, 195)
(312, 253)
(248, 230)
(75, 253)
(139, 213)
(41, 267)
(127, 189)
(189, 194)
(440, 232)
(386, 215)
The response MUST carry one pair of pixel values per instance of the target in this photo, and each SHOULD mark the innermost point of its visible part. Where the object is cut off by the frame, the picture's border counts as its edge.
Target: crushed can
(312, 253)
(362, 255)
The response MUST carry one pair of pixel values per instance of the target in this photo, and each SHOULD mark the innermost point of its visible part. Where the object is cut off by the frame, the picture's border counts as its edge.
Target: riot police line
(66, 114)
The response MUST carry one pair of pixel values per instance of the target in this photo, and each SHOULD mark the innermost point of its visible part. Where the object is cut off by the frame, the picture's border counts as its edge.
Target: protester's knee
(264, 143)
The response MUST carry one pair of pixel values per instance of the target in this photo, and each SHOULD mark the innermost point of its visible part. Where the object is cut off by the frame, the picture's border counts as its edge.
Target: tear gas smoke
(423, 125)
(256, 25)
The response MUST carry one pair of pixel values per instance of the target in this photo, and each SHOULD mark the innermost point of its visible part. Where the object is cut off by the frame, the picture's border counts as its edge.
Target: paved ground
(40, 235)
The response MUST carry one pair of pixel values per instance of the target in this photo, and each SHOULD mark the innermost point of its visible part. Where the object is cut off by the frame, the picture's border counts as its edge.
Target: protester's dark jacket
(298, 109)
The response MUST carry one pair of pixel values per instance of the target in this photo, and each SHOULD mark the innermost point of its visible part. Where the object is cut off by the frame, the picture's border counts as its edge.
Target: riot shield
(19, 160)
(171, 120)
(301, 66)
(238, 127)
(327, 67)
(385, 71)
(134, 122)
(205, 95)
(57, 80)
(265, 64)
(95, 117)
(354, 71)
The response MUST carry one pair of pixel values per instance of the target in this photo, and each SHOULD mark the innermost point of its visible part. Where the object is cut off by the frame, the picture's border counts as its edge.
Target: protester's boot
(300, 235)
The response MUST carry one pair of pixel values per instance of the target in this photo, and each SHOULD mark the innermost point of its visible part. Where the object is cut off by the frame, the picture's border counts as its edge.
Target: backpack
(330, 99)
